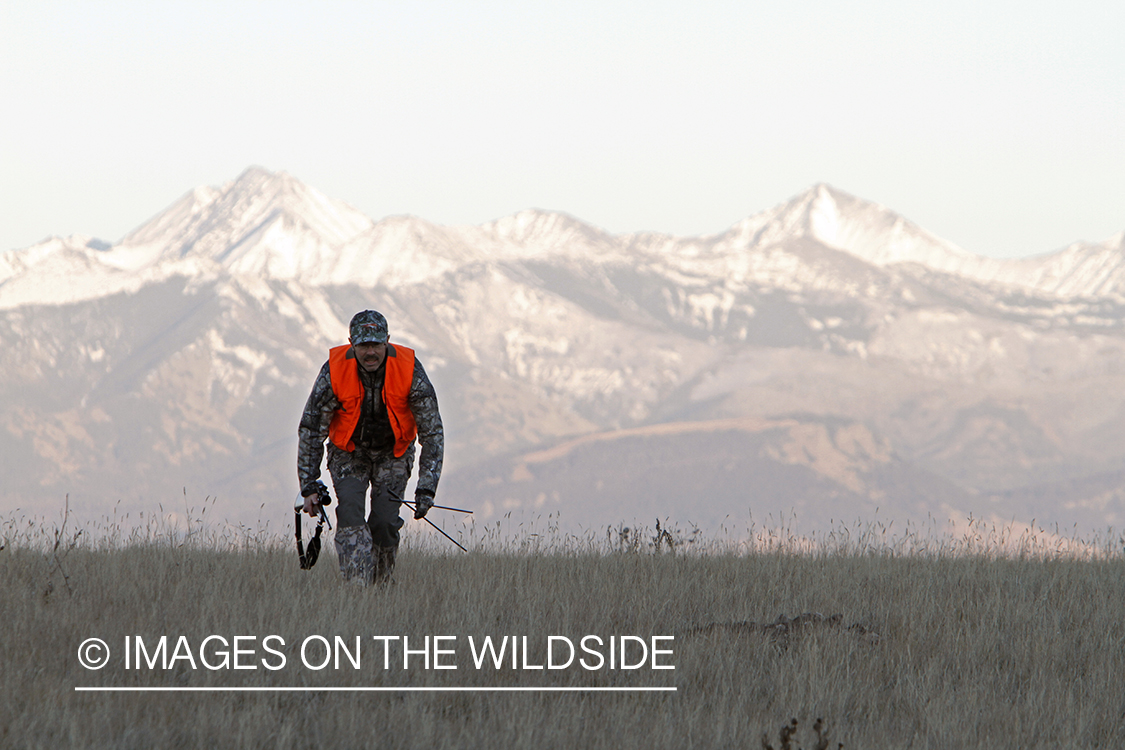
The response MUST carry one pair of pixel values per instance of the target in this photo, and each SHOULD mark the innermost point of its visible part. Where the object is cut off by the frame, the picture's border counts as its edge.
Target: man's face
(370, 355)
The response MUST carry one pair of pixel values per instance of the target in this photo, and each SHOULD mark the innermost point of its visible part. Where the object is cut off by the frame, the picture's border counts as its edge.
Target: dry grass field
(938, 643)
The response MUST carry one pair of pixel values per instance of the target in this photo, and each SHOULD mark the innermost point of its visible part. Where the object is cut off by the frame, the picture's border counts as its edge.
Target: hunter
(370, 400)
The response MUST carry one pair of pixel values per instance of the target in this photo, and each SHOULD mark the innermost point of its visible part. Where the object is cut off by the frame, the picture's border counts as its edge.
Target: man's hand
(312, 504)
(422, 504)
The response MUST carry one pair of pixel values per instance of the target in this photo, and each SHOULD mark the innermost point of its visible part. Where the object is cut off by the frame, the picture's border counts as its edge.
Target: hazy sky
(996, 125)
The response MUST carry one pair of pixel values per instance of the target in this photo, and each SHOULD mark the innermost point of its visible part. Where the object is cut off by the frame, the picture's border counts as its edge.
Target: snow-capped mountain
(826, 354)
(869, 231)
(273, 226)
(260, 223)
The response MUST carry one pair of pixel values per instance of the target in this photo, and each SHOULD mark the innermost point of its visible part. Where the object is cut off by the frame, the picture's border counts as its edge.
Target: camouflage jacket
(322, 405)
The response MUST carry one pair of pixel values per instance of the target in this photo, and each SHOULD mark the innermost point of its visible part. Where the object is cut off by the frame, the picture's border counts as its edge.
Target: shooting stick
(431, 523)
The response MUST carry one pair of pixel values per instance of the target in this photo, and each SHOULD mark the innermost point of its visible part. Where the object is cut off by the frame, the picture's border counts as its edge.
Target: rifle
(324, 498)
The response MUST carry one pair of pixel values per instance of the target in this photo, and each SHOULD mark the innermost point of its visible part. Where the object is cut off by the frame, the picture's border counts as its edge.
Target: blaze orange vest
(348, 388)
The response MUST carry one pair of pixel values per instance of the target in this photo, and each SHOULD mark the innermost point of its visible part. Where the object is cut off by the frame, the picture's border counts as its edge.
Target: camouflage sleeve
(424, 405)
(313, 430)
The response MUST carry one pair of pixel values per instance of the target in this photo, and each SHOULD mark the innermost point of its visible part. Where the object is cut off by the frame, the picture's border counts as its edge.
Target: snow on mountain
(881, 237)
(61, 270)
(761, 250)
(407, 250)
(828, 311)
(867, 230)
(152, 240)
(823, 239)
(1082, 269)
(260, 223)
(78, 248)
(274, 226)
(397, 250)
(534, 233)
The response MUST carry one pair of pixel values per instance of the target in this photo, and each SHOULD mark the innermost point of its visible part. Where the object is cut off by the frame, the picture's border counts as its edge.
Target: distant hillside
(883, 366)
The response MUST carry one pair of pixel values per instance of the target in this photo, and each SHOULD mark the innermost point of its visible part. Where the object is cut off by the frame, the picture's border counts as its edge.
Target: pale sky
(996, 125)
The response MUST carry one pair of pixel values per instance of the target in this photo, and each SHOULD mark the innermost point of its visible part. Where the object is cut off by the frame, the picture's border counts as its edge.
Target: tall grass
(986, 640)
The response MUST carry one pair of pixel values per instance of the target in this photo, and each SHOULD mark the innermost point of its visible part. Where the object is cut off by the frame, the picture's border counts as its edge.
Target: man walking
(370, 400)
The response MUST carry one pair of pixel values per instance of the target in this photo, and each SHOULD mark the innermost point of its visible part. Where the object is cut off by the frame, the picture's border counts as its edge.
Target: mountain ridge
(271, 224)
(817, 349)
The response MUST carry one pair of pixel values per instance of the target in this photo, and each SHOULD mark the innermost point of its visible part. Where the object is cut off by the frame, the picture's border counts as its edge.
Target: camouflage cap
(368, 327)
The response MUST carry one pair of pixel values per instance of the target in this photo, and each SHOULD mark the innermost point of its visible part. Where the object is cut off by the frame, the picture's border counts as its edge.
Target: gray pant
(352, 473)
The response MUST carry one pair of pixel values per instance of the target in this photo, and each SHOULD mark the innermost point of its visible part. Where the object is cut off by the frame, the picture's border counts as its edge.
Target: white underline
(375, 689)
